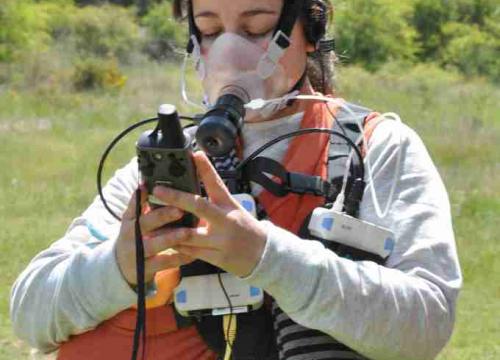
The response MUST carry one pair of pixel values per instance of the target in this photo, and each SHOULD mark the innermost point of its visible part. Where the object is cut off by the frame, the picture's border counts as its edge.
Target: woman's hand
(231, 238)
(151, 228)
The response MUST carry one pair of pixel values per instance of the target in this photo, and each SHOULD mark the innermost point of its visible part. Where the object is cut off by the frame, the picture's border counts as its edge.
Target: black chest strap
(274, 177)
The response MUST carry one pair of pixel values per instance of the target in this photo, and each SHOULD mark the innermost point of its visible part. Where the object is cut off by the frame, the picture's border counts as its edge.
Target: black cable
(140, 326)
(239, 167)
(141, 307)
(231, 311)
(108, 150)
(351, 165)
(323, 85)
(336, 120)
(300, 133)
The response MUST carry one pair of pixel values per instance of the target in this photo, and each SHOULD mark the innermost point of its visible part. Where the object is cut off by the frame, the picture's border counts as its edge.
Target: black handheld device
(166, 158)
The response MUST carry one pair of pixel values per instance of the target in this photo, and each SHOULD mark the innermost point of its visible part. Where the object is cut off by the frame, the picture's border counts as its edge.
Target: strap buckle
(268, 62)
(305, 184)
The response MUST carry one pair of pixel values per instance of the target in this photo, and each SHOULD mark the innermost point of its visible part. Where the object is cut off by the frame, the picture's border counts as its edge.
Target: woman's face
(255, 20)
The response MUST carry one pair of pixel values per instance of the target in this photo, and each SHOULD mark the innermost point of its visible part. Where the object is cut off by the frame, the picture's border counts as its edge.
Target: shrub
(94, 73)
(371, 32)
(106, 31)
(23, 29)
(100, 2)
(472, 51)
(164, 33)
(473, 11)
(430, 18)
(59, 18)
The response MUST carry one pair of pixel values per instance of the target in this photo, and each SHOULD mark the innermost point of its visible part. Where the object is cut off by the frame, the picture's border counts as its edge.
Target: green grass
(51, 140)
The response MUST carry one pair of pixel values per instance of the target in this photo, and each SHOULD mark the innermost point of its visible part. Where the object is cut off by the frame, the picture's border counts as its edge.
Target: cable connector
(338, 205)
(354, 197)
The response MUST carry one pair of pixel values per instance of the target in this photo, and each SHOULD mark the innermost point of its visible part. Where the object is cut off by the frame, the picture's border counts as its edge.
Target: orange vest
(113, 338)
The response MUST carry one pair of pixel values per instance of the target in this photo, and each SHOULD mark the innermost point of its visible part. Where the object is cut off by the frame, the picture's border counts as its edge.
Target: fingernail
(180, 234)
(177, 213)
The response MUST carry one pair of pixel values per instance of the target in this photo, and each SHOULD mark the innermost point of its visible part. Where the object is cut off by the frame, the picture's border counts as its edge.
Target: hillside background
(75, 73)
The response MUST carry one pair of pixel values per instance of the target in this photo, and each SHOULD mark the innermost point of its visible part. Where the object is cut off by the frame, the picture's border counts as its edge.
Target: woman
(77, 294)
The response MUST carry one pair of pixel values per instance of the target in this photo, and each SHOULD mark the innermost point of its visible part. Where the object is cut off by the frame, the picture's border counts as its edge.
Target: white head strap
(274, 53)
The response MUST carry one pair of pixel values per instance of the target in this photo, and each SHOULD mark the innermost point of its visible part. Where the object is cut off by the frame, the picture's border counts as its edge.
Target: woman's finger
(191, 203)
(166, 260)
(129, 213)
(159, 217)
(215, 187)
(167, 239)
(193, 237)
(210, 256)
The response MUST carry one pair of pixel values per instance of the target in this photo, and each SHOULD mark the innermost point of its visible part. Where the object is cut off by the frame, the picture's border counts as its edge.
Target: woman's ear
(310, 47)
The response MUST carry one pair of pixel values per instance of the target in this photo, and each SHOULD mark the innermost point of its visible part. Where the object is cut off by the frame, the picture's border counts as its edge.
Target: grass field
(51, 140)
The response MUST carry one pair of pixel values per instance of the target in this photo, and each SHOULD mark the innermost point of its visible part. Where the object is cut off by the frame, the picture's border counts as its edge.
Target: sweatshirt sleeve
(403, 310)
(76, 283)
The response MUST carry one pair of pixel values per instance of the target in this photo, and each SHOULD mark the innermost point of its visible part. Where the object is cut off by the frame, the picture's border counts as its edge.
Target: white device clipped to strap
(332, 225)
(203, 295)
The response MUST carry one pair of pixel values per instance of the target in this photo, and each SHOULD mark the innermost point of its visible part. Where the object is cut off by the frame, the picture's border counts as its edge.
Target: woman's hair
(315, 16)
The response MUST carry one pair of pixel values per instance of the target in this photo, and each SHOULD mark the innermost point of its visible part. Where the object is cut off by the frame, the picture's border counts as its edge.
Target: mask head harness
(221, 125)
(281, 37)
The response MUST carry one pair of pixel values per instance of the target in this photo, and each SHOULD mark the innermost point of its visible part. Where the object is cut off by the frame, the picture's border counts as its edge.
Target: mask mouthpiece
(221, 126)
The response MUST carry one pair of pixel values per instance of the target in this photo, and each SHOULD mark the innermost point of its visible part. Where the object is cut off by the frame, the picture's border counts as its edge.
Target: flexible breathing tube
(260, 103)
(184, 92)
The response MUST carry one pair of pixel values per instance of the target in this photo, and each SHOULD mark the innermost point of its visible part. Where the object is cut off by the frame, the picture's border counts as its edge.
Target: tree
(371, 32)
(23, 29)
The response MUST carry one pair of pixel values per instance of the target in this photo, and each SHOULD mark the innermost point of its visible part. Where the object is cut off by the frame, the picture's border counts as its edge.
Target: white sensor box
(204, 295)
(335, 226)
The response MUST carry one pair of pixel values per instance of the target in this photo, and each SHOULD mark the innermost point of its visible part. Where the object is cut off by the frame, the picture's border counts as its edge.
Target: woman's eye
(257, 35)
(212, 35)
(253, 35)
(248, 34)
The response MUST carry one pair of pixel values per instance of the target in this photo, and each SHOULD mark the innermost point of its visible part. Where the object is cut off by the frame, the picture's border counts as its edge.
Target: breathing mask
(232, 64)
(234, 71)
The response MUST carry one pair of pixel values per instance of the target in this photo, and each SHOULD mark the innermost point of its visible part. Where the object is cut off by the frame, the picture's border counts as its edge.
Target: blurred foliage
(92, 73)
(22, 29)
(105, 31)
(81, 47)
(472, 51)
(428, 18)
(372, 32)
(463, 35)
(165, 35)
